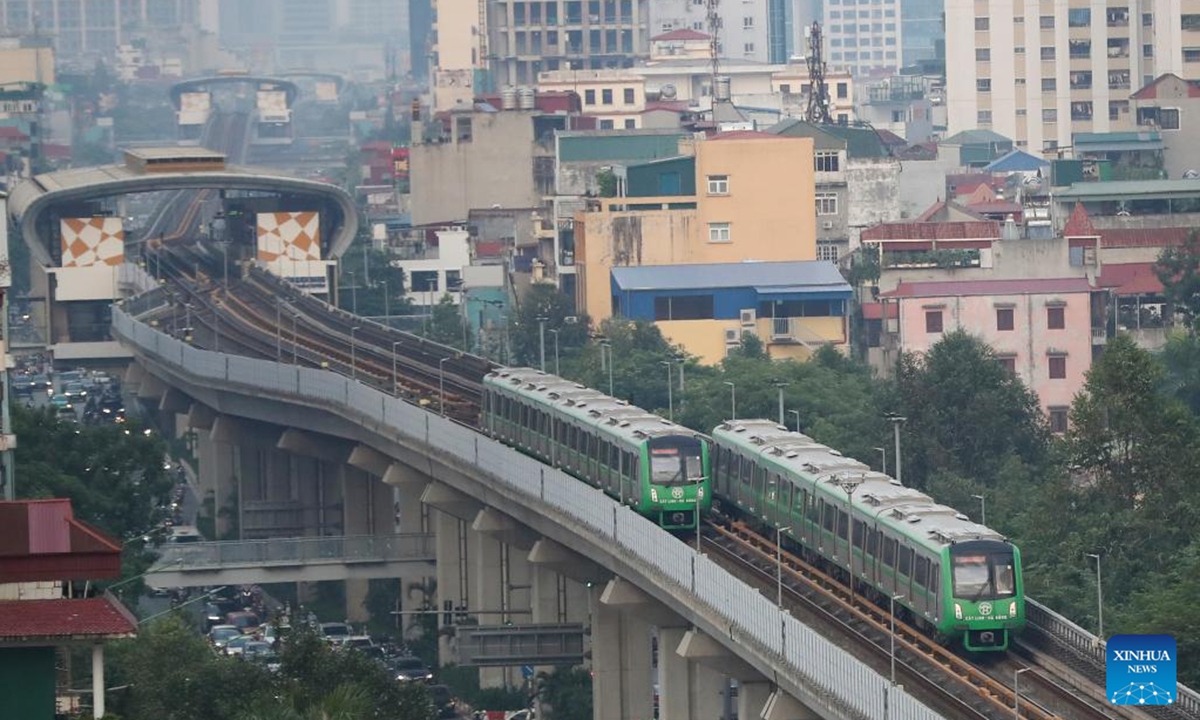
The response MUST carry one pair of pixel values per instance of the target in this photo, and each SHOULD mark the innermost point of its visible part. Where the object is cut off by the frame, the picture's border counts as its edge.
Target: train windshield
(984, 575)
(675, 461)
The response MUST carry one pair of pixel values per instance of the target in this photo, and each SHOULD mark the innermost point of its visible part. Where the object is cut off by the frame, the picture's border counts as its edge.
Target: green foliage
(1168, 607)
(1181, 365)
(543, 300)
(568, 693)
(112, 473)
(1178, 269)
(369, 284)
(606, 181)
(447, 325)
(945, 259)
(864, 268)
(464, 684)
(380, 602)
(967, 415)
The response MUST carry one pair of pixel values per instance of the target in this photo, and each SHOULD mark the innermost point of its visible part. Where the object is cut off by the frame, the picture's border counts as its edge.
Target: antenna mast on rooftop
(818, 94)
(714, 42)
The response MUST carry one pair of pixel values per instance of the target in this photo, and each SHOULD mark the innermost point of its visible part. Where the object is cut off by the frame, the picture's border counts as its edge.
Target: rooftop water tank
(508, 98)
(527, 98)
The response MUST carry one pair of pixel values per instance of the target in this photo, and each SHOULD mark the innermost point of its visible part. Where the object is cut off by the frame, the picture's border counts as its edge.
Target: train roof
(589, 406)
(908, 511)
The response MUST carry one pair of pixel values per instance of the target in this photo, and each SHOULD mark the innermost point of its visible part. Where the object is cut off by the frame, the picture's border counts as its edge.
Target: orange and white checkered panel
(92, 241)
(289, 236)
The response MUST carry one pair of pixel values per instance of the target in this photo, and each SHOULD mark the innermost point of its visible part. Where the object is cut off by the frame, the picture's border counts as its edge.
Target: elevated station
(195, 100)
(73, 224)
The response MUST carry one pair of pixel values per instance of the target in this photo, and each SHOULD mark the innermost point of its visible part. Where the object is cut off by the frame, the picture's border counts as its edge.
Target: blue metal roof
(774, 278)
(1016, 161)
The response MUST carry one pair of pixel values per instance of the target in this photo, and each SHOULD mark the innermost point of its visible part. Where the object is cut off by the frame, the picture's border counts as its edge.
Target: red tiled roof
(1079, 224)
(1130, 279)
(1142, 237)
(887, 137)
(42, 540)
(1150, 92)
(63, 618)
(748, 135)
(958, 288)
(975, 229)
(681, 34)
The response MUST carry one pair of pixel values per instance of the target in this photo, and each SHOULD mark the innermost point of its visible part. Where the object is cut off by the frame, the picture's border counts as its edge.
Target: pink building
(1041, 329)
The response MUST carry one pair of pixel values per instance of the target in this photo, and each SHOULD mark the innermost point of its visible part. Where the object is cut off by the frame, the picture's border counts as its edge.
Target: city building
(793, 307)
(857, 183)
(94, 28)
(1165, 106)
(747, 29)
(616, 98)
(911, 106)
(863, 39)
(1040, 76)
(26, 60)
(737, 196)
(433, 260)
(1040, 329)
(48, 560)
(524, 39)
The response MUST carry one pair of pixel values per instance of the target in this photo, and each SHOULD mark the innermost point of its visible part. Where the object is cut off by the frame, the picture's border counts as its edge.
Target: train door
(781, 503)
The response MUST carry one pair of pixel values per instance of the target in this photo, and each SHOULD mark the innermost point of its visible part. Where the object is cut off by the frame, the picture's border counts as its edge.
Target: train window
(785, 492)
(572, 438)
(921, 571)
(889, 552)
(842, 520)
(748, 469)
(872, 542)
(935, 574)
(1002, 567)
(905, 566)
(827, 512)
(814, 515)
(858, 535)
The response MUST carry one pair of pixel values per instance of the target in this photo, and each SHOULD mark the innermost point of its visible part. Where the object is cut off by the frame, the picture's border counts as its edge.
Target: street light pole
(295, 338)
(982, 508)
(732, 399)
(554, 332)
(353, 354)
(797, 414)
(1099, 594)
(1017, 692)
(225, 263)
(395, 375)
(893, 605)
(442, 385)
(278, 332)
(607, 346)
(896, 420)
(542, 340)
(670, 396)
(780, 386)
(883, 458)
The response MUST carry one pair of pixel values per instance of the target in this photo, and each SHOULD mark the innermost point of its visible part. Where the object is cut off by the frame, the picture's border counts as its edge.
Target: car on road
(237, 645)
(410, 669)
(244, 621)
(75, 391)
(334, 632)
(22, 386)
(219, 635)
(356, 642)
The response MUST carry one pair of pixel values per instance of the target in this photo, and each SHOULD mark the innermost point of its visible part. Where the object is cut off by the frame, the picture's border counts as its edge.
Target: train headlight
(654, 494)
(699, 493)
(957, 611)
(1012, 609)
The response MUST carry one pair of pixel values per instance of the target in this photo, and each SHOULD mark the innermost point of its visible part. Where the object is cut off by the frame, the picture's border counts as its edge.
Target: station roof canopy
(1130, 189)
(263, 83)
(765, 277)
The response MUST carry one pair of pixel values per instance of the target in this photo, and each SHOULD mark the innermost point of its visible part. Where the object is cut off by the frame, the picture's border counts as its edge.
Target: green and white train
(654, 466)
(955, 577)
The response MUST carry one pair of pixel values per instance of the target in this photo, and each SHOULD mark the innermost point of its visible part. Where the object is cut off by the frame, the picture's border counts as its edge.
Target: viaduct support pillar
(621, 667)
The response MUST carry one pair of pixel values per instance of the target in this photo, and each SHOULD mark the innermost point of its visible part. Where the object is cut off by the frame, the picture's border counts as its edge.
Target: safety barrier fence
(292, 551)
(839, 683)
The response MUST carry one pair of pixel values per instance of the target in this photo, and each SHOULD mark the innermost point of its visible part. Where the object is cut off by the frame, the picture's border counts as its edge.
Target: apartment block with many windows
(863, 38)
(1038, 72)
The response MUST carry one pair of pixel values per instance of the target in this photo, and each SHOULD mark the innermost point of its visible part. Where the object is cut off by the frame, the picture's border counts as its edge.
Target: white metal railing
(838, 684)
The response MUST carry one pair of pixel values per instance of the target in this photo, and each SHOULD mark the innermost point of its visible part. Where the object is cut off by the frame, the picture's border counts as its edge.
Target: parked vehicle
(219, 635)
(411, 669)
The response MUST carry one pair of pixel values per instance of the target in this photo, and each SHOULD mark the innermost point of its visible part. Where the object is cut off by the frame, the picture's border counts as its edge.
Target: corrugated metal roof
(958, 288)
(49, 528)
(101, 617)
(1122, 189)
(1143, 237)
(1130, 279)
(775, 277)
(964, 230)
(1016, 161)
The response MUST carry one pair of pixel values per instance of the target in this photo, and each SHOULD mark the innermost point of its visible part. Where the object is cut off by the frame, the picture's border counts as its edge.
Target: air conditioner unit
(749, 317)
(733, 336)
(827, 225)
(1089, 256)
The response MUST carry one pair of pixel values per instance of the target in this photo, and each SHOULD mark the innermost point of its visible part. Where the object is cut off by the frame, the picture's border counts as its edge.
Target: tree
(1169, 607)
(568, 693)
(1181, 362)
(637, 351)
(447, 325)
(544, 300)
(966, 415)
(1178, 269)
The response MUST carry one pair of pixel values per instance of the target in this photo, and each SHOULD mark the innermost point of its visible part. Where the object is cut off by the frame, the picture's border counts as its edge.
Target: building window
(1161, 118)
(630, 124)
(1050, 116)
(843, 91)
(684, 307)
(983, 54)
(1190, 54)
(981, 23)
(718, 184)
(983, 85)
(1056, 318)
(748, 48)
(984, 117)
(606, 124)
(1048, 53)
(1058, 420)
(1049, 84)
(1004, 318)
(826, 161)
(748, 22)
(933, 321)
(1081, 110)
(1079, 17)
(606, 96)
(589, 97)
(718, 232)
(827, 204)
(629, 96)
(828, 252)
(1058, 367)
(1047, 22)
(1008, 362)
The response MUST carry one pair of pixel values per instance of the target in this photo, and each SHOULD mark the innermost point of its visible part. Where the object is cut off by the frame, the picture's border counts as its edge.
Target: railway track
(956, 686)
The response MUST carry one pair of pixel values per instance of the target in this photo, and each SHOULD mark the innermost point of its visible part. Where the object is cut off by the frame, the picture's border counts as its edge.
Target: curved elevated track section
(253, 313)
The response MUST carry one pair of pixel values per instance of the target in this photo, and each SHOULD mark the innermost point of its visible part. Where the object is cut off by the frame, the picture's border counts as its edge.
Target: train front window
(984, 576)
(675, 461)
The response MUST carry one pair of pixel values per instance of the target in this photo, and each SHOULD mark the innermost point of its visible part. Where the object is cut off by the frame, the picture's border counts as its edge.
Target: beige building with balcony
(616, 98)
(1038, 73)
